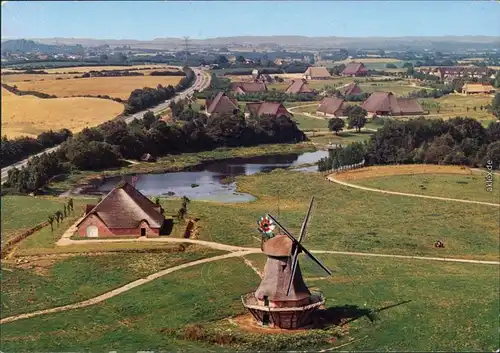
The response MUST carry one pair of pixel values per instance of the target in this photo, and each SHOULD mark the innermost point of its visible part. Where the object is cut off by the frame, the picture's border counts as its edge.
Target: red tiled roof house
(386, 103)
(350, 89)
(332, 107)
(355, 69)
(221, 104)
(297, 87)
(273, 109)
(124, 211)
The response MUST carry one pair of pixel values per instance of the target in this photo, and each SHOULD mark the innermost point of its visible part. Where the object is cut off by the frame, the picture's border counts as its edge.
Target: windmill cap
(278, 246)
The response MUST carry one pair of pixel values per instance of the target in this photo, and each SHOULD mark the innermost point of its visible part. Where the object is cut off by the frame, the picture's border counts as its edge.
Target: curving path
(332, 178)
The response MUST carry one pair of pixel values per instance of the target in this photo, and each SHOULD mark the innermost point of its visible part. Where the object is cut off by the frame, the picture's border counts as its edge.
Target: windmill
(283, 299)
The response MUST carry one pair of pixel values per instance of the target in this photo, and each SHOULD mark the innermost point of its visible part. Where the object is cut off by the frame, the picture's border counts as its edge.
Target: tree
(58, 216)
(495, 105)
(356, 117)
(390, 66)
(181, 214)
(240, 59)
(148, 119)
(70, 205)
(336, 124)
(51, 222)
(222, 60)
(496, 83)
(493, 154)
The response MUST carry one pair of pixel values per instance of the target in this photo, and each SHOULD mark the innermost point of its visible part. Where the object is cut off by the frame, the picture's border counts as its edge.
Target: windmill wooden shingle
(124, 211)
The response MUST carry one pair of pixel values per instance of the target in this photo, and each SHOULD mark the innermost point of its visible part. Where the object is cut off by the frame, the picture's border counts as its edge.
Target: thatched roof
(299, 86)
(388, 103)
(350, 89)
(126, 207)
(354, 68)
(317, 72)
(266, 108)
(249, 87)
(221, 104)
(331, 105)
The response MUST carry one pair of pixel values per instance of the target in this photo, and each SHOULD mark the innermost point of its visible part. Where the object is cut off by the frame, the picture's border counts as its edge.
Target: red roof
(221, 104)
(350, 89)
(354, 68)
(126, 207)
(299, 86)
(331, 105)
(266, 108)
(249, 87)
(388, 103)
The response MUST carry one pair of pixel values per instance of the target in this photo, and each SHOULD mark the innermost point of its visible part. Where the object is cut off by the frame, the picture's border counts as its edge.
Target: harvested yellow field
(116, 87)
(29, 115)
(84, 69)
(407, 169)
(369, 60)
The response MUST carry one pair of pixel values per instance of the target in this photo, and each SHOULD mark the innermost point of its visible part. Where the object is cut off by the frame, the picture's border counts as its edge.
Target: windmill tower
(283, 299)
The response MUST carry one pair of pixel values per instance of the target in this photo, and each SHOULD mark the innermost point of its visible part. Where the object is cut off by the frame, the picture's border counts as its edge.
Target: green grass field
(399, 89)
(324, 138)
(347, 219)
(456, 105)
(466, 187)
(453, 307)
(51, 283)
(307, 123)
(20, 213)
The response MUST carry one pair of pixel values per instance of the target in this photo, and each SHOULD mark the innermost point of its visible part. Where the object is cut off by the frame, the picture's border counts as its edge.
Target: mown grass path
(332, 178)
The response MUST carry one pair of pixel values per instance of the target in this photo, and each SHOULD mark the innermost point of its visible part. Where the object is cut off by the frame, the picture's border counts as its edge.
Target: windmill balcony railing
(250, 302)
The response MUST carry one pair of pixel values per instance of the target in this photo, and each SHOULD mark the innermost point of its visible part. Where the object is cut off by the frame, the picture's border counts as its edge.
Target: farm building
(265, 78)
(124, 211)
(248, 87)
(273, 109)
(350, 89)
(355, 69)
(471, 88)
(317, 73)
(221, 104)
(298, 86)
(332, 107)
(386, 103)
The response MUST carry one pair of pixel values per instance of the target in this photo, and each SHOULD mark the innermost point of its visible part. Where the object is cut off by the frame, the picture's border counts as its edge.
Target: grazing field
(30, 115)
(48, 282)
(116, 87)
(307, 123)
(399, 89)
(470, 187)
(422, 306)
(20, 213)
(456, 105)
(348, 219)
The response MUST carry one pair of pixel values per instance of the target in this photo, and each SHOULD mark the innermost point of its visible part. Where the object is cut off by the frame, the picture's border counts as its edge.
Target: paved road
(202, 82)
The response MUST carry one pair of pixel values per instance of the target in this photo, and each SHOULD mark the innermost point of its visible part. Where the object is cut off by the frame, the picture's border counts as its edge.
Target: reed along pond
(213, 181)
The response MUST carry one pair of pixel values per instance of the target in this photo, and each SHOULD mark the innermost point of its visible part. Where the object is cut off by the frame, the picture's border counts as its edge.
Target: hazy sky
(147, 20)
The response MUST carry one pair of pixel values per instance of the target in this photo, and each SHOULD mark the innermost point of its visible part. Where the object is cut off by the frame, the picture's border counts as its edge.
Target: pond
(213, 181)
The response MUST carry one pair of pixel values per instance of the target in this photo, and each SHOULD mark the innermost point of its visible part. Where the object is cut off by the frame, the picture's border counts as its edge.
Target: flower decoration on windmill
(266, 226)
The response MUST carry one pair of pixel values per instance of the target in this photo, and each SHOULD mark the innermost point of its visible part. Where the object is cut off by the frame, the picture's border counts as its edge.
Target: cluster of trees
(459, 141)
(356, 119)
(14, 150)
(168, 73)
(29, 71)
(187, 80)
(107, 145)
(111, 73)
(59, 216)
(337, 70)
(276, 96)
(435, 93)
(15, 90)
(495, 105)
(342, 156)
(144, 98)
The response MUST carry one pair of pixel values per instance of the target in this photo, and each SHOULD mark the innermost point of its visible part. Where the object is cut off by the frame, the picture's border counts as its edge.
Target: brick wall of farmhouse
(104, 231)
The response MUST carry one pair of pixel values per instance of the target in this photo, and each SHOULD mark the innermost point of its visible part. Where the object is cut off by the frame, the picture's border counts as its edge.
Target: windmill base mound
(247, 323)
(282, 315)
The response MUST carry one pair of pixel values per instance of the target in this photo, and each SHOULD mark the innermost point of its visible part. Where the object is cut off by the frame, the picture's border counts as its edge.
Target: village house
(298, 86)
(264, 78)
(332, 107)
(124, 211)
(472, 88)
(279, 62)
(221, 104)
(355, 70)
(248, 87)
(386, 103)
(317, 73)
(273, 109)
(350, 89)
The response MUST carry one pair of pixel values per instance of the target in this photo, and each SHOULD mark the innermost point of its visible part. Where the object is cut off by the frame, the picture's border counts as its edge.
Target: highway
(202, 82)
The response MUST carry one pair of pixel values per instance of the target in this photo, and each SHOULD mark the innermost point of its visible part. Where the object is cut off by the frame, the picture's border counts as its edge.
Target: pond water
(211, 181)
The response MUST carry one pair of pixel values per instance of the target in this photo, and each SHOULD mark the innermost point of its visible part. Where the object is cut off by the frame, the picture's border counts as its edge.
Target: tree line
(16, 91)
(107, 145)
(14, 150)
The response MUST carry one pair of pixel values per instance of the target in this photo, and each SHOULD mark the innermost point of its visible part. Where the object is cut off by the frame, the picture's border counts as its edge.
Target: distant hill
(384, 43)
(23, 46)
